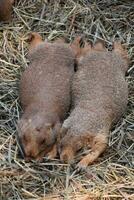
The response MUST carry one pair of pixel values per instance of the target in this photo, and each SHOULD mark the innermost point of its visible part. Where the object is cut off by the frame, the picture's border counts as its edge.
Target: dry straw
(112, 176)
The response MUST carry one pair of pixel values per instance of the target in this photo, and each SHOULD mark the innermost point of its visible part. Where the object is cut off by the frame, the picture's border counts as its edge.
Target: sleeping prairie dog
(99, 99)
(45, 95)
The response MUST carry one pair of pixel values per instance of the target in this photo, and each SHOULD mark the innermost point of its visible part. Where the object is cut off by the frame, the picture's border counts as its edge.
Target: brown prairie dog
(45, 95)
(5, 9)
(99, 99)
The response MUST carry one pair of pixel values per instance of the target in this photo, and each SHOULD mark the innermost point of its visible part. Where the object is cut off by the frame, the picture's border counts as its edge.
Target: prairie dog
(45, 95)
(99, 96)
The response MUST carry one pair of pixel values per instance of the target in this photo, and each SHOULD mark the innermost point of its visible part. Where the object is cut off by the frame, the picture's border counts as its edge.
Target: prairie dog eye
(25, 138)
(42, 141)
(38, 129)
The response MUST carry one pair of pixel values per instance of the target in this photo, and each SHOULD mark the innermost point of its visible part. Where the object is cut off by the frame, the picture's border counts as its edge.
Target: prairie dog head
(36, 136)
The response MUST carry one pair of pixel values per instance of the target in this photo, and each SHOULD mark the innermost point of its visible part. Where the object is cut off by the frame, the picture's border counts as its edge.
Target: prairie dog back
(50, 65)
(101, 80)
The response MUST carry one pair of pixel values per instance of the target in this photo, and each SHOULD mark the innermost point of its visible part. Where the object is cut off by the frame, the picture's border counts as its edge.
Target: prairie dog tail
(34, 40)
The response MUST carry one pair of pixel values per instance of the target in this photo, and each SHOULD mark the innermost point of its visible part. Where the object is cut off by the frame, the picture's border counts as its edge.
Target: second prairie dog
(45, 95)
(5, 9)
(100, 95)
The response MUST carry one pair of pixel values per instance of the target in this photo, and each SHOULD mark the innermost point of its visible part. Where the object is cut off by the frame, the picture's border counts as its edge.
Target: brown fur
(45, 95)
(99, 100)
(5, 9)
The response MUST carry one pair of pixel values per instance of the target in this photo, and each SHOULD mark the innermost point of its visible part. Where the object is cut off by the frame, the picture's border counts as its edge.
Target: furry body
(99, 99)
(5, 9)
(45, 95)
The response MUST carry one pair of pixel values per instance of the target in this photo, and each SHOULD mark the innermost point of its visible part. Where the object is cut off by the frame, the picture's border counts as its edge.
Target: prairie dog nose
(29, 153)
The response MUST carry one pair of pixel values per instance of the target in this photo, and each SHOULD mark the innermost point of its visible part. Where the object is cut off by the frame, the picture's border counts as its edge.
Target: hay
(112, 176)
